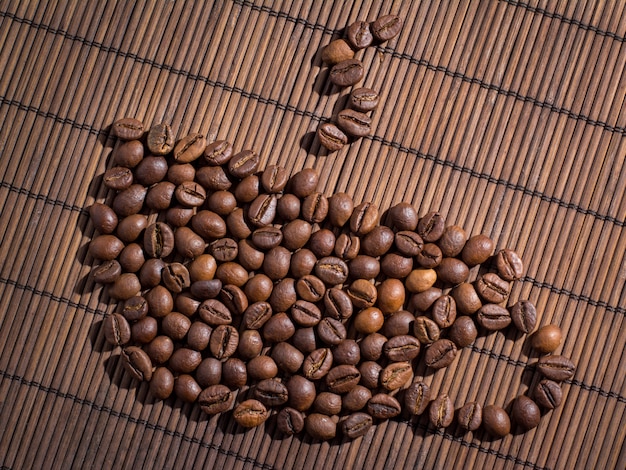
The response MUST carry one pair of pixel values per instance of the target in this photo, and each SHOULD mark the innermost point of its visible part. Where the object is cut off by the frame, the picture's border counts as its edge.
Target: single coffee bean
(356, 425)
(546, 339)
(372, 346)
(248, 255)
(370, 374)
(127, 285)
(525, 413)
(175, 276)
(250, 344)
(369, 320)
(288, 207)
(402, 348)
(340, 208)
(234, 373)
(493, 288)
(106, 247)
(363, 99)
(277, 262)
(441, 412)
(396, 266)
(162, 383)
(327, 403)
(337, 51)
(378, 242)
(145, 330)
(304, 182)
(359, 35)
(107, 272)
(278, 328)
(383, 406)
(274, 178)
(283, 295)
(409, 243)
(430, 256)
(189, 148)
(444, 311)
(396, 375)
(337, 304)
(452, 271)
(524, 316)
(356, 399)
(218, 152)
(296, 234)
(238, 225)
(234, 299)
(150, 273)
(127, 129)
(186, 388)
(271, 392)
(310, 288)
(247, 189)
(452, 240)
(305, 313)
(496, 421)
(215, 399)
(137, 363)
(317, 364)
(160, 139)
(347, 72)
(256, 315)
(301, 392)
(180, 173)
(184, 360)
(232, 273)
(209, 372)
(509, 264)
(160, 301)
(262, 367)
(364, 267)
(213, 178)
(347, 352)
(331, 136)
(477, 250)
(190, 194)
(466, 298)
(354, 123)
(320, 426)
(118, 178)
(290, 421)
(214, 313)
(224, 341)
(331, 331)
(186, 304)
(202, 268)
(305, 340)
(426, 330)
(135, 308)
(103, 218)
(322, 243)
(199, 335)
(364, 218)
(129, 228)
(556, 367)
(347, 246)
(287, 357)
(175, 325)
(243, 164)
(362, 293)
(386, 27)
(440, 354)
(463, 331)
(258, 288)
(188, 243)
(417, 398)
(132, 258)
(160, 349)
(420, 279)
(548, 394)
(224, 249)
(470, 416)
(116, 329)
(398, 323)
(158, 240)
(430, 226)
(493, 317)
(151, 170)
(262, 210)
(331, 270)
(314, 208)
(223, 202)
(422, 301)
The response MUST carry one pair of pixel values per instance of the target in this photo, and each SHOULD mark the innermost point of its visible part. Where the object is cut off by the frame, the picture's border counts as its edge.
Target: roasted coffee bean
(372, 346)
(452, 271)
(262, 210)
(548, 394)
(364, 267)
(441, 412)
(237, 225)
(396, 266)
(127, 285)
(305, 313)
(440, 354)
(137, 363)
(145, 330)
(135, 308)
(234, 373)
(322, 243)
(396, 375)
(359, 35)
(386, 27)
(175, 325)
(524, 316)
(213, 178)
(277, 262)
(466, 298)
(288, 207)
(214, 313)
(271, 392)
(546, 339)
(383, 406)
(159, 196)
(158, 240)
(283, 295)
(347, 72)
(470, 416)
(340, 208)
(364, 99)
(248, 256)
(357, 398)
(103, 218)
(256, 315)
(417, 398)
(224, 341)
(105, 247)
(188, 243)
(409, 243)
(160, 349)
(331, 331)
(496, 421)
(556, 367)
(180, 173)
(364, 218)
(278, 328)
(354, 123)
(218, 152)
(127, 129)
(234, 299)
(243, 164)
(186, 388)
(430, 256)
(160, 139)
(426, 330)
(190, 194)
(258, 288)
(262, 367)
(444, 311)
(107, 272)
(129, 228)
(402, 348)
(420, 280)
(116, 329)
(356, 425)
(398, 323)
(347, 352)
(337, 304)
(369, 320)
(209, 372)
(175, 276)
(199, 335)
(250, 344)
(186, 304)
(337, 51)
(493, 288)
(327, 403)
(189, 148)
(184, 360)
(317, 364)
(162, 383)
(332, 270)
(422, 301)
(463, 331)
(151, 170)
(287, 357)
(132, 258)
(320, 426)
(202, 268)
(118, 178)
(493, 317)
(370, 374)
(430, 226)
(222, 202)
(509, 264)
(160, 301)
(296, 234)
(274, 178)
(304, 182)
(314, 208)
(452, 240)
(224, 249)
(377, 242)
(331, 136)
(310, 288)
(290, 421)
(342, 378)
(477, 250)
(301, 392)
(362, 293)
(305, 340)
(347, 246)
(525, 413)
(215, 399)
(232, 273)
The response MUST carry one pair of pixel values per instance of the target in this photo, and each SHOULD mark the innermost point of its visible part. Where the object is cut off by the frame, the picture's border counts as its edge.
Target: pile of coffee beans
(232, 280)
(353, 122)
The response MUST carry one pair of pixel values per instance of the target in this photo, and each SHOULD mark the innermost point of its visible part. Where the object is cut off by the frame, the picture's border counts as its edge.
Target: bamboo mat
(506, 116)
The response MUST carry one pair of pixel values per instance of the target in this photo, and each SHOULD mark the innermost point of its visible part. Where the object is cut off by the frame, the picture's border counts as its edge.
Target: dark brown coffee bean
(248, 256)
(135, 308)
(444, 311)
(103, 218)
(337, 51)
(288, 207)
(430, 226)
(250, 344)
(378, 241)
(132, 258)
(258, 288)
(347, 352)
(440, 354)
(386, 27)
(310, 288)
(556, 367)
(320, 426)
(396, 266)
(215, 399)
(452, 271)
(452, 240)
(546, 339)
(234, 373)
(347, 72)
(287, 357)
(402, 348)
(145, 330)
(160, 301)
(383, 406)
(441, 412)
(238, 225)
(463, 331)
(256, 315)
(127, 129)
(493, 288)
(347, 246)
(213, 178)
(496, 421)
(305, 340)
(356, 399)
(160, 139)
(137, 363)
(179, 216)
(129, 228)
(524, 316)
(398, 323)
(262, 210)
(477, 250)
(162, 383)
(331, 137)
(548, 394)
(232, 273)
(189, 148)
(331, 270)
(426, 330)
(151, 170)
(118, 178)
(370, 374)
(186, 304)
(396, 375)
(372, 346)
(199, 335)
(175, 325)
(186, 388)
(417, 398)
(509, 264)
(262, 367)
(296, 234)
(214, 313)
(362, 293)
(224, 341)
(470, 416)
(271, 392)
(106, 247)
(234, 299)
(356, 425)
(202, 268)
(116, 329)
(158, 240)
(364, 218)
(430, 256)
(274, 179)
(314, 208)
(184, 360)
(359, 35)
(327, 403)
(364, 99)
(277, 262)
(337, 304)
(466, 298)
(290, 421)
(190, 194)
(283, 295)
(301, 392)
(208, 225)
(304, 182)
(331, 331)
(342, 378)
(175, 277)
(222, 202)
(218, 152)
(409, 243)
(493, 317)
(224, 249)
(124, 287)
(340, 208)
(317, 364)
(208, 373)
(188, 243)
(160, 349)
(364, 267)
(305, 313)
(354, 123)
(422, 301)
(278, 328)
(243, 164)
(180, 173)
(525, 413)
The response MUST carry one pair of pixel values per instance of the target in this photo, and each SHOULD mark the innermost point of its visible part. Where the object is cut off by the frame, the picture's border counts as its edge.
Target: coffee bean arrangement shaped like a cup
(353, 122)
(235, 280)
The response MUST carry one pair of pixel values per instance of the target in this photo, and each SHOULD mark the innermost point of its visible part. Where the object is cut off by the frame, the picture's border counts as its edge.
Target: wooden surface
(506, 116)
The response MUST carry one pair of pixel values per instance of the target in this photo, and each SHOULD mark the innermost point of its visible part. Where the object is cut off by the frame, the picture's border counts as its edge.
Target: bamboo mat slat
(508, 116)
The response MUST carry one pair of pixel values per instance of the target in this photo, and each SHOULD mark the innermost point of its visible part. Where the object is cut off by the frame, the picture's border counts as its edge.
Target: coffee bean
(477, 250)
(493, 288)
(331, 270)
(213, 178)
(314, 208)
(444, 311)
(493, 317)
(190, 194)
(396, 375)
(158, 240)
(135, 308)
(208, 373)
(103, 218)
(151, 170)
(340, 208)
(283, 295)
(278, 328)
(364, 218)
(347, 72)
(347, 352)
(422, 301)
(175, 325)
(160, 139)
(317, 364)
(331, 331)
(175, 276)
(199, 335)
(189, 148)
(463, 331)
(107, 272)
(331, 137)
(234, 373)
(322, 243)
(370, 374)
(320, 426)
(524, 316)
(271, 392)
(327, 403)
(290, 421)
(106, 247)
(356, 425)
(232, 273)
(243, 164)
(509, 264)
(402, 348)
(383, 406)
(218, 152)
(337, 304)
(274, 178)
(247, 189)
(452, 271)
(188, 243)
(159, 196)
(129, 228)
(214, 313)
(525, 413)
(116, 329)
(234, 299)
(261, 368)
(378, 242)
(277, 262)
(118, 178)
(250, 344)
(137, 363)
(556, 367)
(305, 340)
(364, 267)
(248, 256)
(224, 341)
(127, 285)
(224, 249)
(258, 288)
(417, 398)
(337, 51)
(184, 360)
(354, 123)
(359, 35)
(215, 399)
(127, 129)
(342, 378)
(287, 357)
(441, 411)
(426, 330)
(363, 99)
(186, 388)
(369, 320)
(398, 323)
(548, 394)
(145, 330)
(430, 256)
(256, 315)
(304, 182)
(372, 346)
(420, 280)
(496, 421)
(356, 399)
(310, 288)
(186, 304)
(305, 313)
(162, 383)
(160, 349)
(237, 225)
(440, 354)
(180, 173)
(262, 210)
(546, 339)
(466, 298)
(301, 392)
(386, 27)
(296, 234)
(470, 416)
(396, 266)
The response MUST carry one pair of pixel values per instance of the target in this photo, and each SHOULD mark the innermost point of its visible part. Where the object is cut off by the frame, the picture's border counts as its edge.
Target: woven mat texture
(506, 116)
